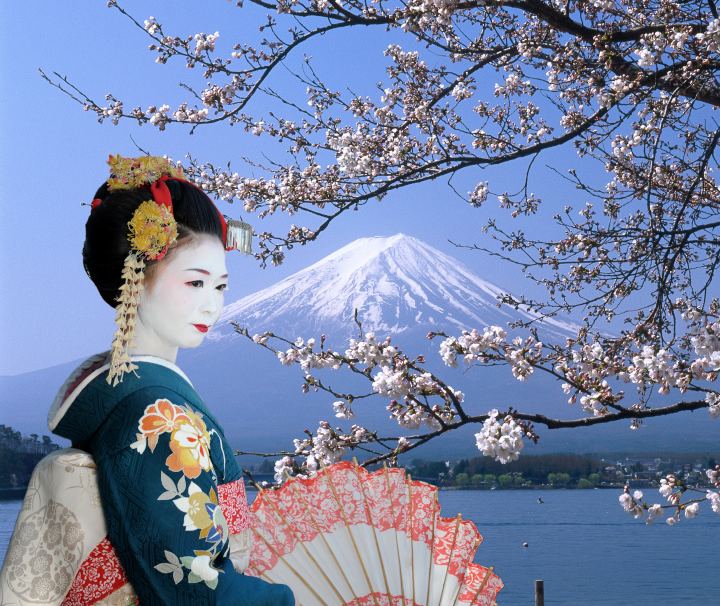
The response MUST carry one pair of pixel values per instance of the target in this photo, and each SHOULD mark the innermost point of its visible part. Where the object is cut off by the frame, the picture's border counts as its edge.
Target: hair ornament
(239, 236)
(133, 275)
(152, 230)
(132, 173)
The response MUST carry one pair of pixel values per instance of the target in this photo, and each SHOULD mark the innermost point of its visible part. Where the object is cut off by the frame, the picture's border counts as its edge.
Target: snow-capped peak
(397, 283)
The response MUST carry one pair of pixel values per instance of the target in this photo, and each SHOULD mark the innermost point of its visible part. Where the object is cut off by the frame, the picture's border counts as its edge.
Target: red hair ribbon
(95, 203)
(161, 195)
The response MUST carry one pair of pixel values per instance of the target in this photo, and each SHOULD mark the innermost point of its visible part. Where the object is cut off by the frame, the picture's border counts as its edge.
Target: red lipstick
(202, 327)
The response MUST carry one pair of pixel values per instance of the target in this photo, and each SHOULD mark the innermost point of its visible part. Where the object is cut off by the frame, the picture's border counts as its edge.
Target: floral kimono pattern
(164, 472)
(190, 455)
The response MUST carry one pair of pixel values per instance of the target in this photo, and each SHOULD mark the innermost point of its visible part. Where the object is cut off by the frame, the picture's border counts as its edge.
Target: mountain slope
(397, 283)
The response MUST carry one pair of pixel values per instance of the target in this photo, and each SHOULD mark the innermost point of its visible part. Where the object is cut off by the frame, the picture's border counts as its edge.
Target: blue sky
(53, 158)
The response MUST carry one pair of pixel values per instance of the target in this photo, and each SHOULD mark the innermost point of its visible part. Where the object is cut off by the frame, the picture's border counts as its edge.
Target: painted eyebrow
(202, 271)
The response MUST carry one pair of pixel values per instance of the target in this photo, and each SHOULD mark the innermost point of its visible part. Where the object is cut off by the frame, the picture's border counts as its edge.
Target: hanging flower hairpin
(152, 230)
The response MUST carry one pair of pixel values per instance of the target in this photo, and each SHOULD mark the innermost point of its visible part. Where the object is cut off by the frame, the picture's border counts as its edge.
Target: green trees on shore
(558, 470)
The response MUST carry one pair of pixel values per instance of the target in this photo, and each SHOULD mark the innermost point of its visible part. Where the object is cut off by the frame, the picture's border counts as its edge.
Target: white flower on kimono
(201, 569)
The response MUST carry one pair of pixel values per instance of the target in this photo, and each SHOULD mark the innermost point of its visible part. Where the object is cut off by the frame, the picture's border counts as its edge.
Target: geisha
(148, 505)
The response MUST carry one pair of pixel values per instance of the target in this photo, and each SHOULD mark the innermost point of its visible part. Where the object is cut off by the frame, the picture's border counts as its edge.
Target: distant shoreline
(6, 497)
(535, 487)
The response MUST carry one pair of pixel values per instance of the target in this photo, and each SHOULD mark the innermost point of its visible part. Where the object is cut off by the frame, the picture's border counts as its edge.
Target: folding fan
(347, 537)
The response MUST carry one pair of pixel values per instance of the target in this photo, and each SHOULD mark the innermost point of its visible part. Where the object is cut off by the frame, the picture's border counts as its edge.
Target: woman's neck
(147, 343)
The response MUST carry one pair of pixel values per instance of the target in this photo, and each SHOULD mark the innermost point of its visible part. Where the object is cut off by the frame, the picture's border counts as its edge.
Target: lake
(581, 543)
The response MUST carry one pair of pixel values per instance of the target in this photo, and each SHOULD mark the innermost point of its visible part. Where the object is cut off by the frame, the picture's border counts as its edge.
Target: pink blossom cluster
(501, 440)
(673, 489)
(325, 447)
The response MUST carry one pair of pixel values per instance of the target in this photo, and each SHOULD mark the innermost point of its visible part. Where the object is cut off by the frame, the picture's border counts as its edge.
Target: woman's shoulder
(74, 383)
(92, 402)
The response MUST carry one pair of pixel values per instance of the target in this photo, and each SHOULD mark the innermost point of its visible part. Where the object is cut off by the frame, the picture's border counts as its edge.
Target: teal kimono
(161, 457)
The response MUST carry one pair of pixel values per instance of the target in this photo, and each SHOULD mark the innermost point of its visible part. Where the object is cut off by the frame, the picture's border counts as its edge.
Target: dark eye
(222, 287)
(196, 283)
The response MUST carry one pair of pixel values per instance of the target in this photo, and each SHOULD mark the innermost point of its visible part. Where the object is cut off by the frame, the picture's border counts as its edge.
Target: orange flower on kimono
(190, 445)
(160, 417)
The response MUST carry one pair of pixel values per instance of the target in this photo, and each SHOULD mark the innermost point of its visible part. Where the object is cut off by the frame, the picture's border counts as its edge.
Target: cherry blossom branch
(410, 385)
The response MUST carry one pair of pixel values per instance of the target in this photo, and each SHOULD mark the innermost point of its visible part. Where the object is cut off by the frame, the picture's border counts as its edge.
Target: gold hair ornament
(132, 173)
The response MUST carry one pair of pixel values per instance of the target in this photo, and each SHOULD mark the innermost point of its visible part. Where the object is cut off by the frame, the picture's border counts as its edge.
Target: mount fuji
(398, 284)
(402, 288)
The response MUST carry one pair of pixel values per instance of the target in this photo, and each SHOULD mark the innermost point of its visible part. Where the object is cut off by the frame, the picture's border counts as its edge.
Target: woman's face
(183, 299)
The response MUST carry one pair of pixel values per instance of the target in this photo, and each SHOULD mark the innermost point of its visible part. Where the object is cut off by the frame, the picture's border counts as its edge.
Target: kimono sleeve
(159, 492)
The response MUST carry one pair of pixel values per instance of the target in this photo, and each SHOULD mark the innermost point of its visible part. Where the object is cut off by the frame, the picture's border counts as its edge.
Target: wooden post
(539, 592)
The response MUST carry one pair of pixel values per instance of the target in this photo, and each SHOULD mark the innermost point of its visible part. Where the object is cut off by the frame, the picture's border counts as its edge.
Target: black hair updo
(106, 230)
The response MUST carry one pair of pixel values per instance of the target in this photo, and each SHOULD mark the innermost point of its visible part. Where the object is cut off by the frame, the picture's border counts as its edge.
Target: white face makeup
(184, 301)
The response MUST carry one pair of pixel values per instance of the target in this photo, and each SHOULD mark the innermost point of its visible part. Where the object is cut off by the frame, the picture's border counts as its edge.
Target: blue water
(588, 550)
(581, 543)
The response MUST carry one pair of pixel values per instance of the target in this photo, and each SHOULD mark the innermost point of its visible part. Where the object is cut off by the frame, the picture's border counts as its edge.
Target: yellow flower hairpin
(152, 230)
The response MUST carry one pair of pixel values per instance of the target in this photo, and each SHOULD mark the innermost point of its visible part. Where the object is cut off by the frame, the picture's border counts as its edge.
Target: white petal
(183, 504)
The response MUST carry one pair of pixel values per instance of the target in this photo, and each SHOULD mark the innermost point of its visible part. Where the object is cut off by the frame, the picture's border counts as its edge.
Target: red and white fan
(348, 537)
